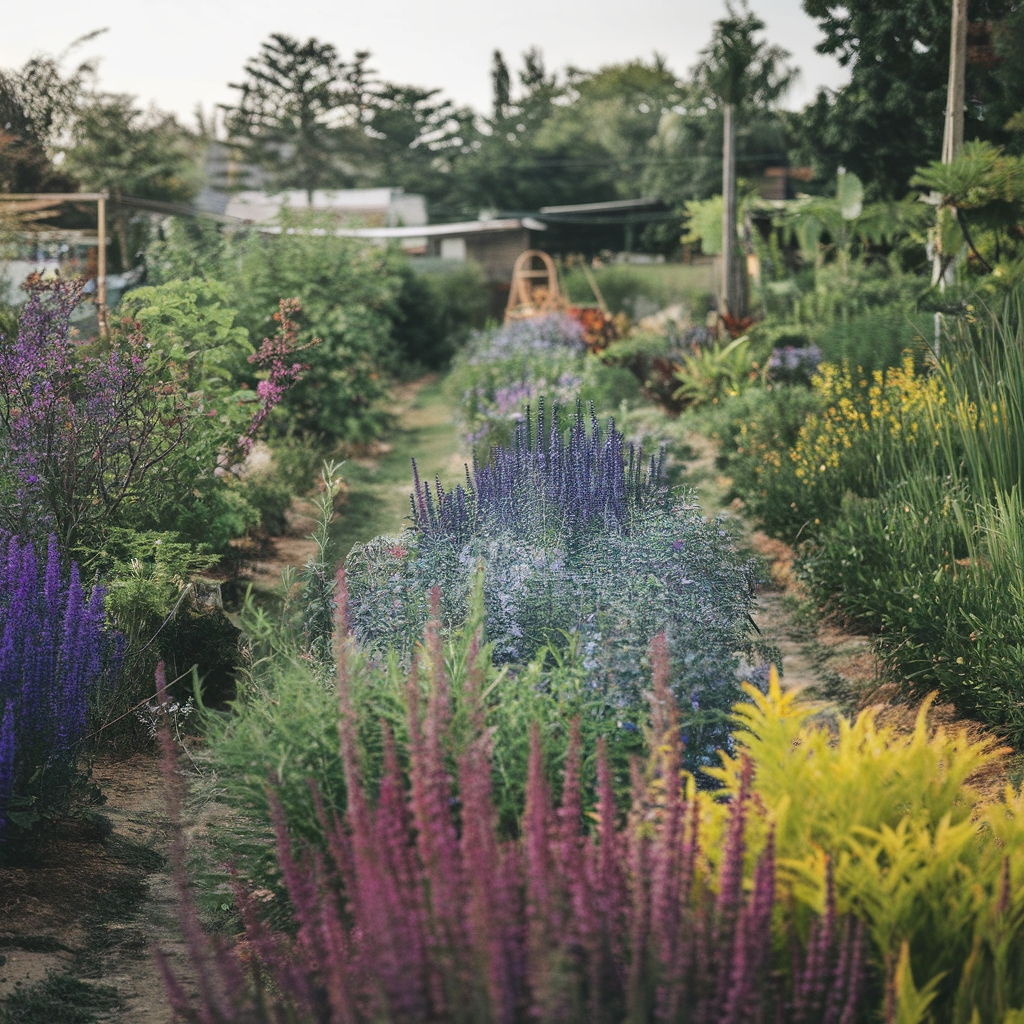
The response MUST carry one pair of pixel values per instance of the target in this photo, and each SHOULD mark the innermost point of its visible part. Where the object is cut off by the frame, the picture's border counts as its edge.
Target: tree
(889, 118)
(130, 152)
(294, 118)
(38, 103)
(580, 136)
(412, 131)
(736, 68)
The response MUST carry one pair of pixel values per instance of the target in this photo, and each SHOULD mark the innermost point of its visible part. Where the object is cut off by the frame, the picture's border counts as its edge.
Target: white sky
(180, 53)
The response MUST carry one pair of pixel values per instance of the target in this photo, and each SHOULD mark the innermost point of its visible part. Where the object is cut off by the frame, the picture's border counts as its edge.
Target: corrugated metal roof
(610, 207)
(472, 227)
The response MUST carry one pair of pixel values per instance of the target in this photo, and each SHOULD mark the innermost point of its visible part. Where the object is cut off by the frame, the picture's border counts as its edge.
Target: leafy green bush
(877, 338)
(376, 316)
(706, 375)
(160, 604)
(639, 291)
(436, 314)
(282, 729)
(757, 430)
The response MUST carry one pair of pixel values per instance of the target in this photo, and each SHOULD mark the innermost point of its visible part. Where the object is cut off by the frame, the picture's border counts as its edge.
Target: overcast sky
(180, 53)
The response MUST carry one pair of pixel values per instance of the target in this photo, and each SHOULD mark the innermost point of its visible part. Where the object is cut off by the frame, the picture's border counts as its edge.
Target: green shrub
(376, 316)
(437, 312)
(877, 338)
(158, 601)
(756, 431)
(639, 291)
(282, 730)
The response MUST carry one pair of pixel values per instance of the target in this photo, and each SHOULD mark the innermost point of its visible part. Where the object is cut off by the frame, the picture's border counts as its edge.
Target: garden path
(379, 481)
(87, 906)
(837, 665)
(376, 483)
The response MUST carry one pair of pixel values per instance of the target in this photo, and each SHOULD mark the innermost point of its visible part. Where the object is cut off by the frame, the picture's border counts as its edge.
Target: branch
(962, 221)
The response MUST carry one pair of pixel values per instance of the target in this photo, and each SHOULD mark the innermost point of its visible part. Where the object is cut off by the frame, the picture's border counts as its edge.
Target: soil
(89, 900)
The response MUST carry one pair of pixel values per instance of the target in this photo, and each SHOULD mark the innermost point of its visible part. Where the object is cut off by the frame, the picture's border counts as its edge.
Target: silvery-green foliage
(610, 592)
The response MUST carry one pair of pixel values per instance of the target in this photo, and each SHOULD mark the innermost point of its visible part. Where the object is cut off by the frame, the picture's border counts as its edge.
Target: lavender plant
(501, 371)
(53, 652)
(579, 542)
(128, 431)
(423, 914)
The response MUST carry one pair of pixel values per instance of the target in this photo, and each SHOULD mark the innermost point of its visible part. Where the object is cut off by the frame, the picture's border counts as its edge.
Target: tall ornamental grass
(53, 652)
(932, 555)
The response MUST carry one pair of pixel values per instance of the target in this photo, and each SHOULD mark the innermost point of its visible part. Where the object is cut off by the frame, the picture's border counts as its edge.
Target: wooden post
(953, 132)
(729, 297)
(953, 136)
(101, 264)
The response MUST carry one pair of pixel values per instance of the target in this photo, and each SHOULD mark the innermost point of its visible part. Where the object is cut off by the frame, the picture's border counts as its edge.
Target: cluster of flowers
(420, 915)
(580, 544)
(572, 483)
(53, 650)
(506, 407)
(274, 357)
(536, 334)
(55, 397)
(503, 370)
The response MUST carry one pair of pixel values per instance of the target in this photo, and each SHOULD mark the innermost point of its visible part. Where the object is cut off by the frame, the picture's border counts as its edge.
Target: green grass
(660, 284)
(378, 490)
(59, 999)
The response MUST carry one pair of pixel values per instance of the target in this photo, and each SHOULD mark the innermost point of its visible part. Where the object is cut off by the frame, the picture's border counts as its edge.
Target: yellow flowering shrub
(866, 426)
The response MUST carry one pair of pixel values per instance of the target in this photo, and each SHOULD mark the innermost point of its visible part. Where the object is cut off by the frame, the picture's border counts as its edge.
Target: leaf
(911, 1002)
(850, 193)
(23, 819)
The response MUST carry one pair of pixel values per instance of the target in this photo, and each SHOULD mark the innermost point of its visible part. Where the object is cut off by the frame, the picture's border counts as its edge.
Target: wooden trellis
(534, 288)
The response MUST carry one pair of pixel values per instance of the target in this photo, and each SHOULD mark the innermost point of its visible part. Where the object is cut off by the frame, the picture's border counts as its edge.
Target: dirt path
(374, 497)
(378, 485)
(835, 664)
(84, 908)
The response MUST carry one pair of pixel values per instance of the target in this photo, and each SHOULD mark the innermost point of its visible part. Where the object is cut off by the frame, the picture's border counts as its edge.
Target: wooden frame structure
(30, 202)
(527, 296)
(35, 202)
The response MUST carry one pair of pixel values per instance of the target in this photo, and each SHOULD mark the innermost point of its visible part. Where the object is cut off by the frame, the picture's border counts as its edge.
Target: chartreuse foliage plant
(423, 910)
(891, 819)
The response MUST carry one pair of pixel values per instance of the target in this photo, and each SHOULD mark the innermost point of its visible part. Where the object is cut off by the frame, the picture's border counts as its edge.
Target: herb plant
(579, 543)
(53, 653)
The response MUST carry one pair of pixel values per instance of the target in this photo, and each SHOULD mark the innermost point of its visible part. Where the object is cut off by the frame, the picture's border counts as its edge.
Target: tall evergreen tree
(294, 115)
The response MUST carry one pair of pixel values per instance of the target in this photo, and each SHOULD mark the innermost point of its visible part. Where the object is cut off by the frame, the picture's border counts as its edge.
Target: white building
(355, 207)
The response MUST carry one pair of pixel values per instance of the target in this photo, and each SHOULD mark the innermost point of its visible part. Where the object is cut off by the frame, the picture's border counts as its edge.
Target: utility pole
(953, 132)
(730, 291)
(953, 136)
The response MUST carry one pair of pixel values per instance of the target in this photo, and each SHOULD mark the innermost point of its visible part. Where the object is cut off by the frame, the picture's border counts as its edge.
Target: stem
(962, 221)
